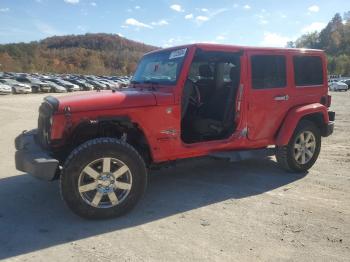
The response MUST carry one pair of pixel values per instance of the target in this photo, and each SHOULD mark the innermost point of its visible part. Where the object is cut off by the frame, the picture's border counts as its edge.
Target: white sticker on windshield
(178, 53)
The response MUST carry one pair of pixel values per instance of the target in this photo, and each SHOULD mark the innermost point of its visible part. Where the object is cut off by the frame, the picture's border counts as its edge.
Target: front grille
(44, 127)
(46, 110)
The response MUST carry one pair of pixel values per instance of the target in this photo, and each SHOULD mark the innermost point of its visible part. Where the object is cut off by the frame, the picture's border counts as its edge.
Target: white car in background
(17, 87)
(337, 86)
(5, 89)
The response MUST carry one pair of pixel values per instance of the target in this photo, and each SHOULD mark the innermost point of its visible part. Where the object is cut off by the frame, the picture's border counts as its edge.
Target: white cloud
(46, 29)
(81, 28)
(160, 22)
(204, 10)
(177, 8)
(137, 7)
(119, 34)
(202, 18)
(314, 8)
(274, 40)
(189, 16)
(217, 11)
(247, 7)
(93, 4)
(220, 37)
(73, 2)
(315, 26)
(136, 23)
(4, 9)
(263, 17)
(176, 41)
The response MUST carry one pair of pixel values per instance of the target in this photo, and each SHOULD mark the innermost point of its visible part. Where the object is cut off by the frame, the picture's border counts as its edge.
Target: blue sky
(168, 22)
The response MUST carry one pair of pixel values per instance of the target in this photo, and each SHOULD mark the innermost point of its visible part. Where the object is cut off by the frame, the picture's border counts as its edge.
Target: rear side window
(308, 70)
(268, 71)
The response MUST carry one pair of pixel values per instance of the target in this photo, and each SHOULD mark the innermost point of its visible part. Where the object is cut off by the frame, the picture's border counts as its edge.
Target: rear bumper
(32, 159)
(328, 128)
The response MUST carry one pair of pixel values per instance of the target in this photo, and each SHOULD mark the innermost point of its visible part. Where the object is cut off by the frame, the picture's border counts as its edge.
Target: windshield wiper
(152, 83)
(134, 82)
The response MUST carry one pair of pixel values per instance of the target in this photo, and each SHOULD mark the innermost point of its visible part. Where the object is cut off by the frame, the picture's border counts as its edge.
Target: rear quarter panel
(294, 116)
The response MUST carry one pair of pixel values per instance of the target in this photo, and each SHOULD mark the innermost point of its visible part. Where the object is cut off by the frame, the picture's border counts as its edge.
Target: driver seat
(206, 82)
(218, 114)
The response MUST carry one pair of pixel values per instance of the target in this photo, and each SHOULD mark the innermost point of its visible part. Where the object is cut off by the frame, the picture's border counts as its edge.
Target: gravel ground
(203, 210)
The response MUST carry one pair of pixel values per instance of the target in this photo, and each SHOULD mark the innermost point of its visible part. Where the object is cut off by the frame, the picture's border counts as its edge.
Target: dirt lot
(206, 210)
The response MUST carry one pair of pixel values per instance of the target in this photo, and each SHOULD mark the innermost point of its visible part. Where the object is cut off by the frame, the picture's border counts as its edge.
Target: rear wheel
(103, 178)
(303, 148)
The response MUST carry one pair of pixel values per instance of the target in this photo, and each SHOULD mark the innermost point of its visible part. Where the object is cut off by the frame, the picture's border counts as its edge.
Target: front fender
(294, 116)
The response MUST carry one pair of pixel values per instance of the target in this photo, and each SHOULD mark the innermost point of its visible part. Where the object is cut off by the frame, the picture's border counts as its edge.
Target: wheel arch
(115, 127)
(316, 113)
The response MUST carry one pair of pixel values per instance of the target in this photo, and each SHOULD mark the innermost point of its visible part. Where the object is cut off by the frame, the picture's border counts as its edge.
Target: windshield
(160, 68)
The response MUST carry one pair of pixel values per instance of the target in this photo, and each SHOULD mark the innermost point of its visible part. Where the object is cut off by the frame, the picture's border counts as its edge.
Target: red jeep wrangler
(189, 101)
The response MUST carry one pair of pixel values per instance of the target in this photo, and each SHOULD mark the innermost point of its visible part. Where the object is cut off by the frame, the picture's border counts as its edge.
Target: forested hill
(335, 40)
(100, 54)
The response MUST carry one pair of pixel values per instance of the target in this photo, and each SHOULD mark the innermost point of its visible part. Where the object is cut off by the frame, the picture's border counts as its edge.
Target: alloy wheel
(304, 147)
(105, 182)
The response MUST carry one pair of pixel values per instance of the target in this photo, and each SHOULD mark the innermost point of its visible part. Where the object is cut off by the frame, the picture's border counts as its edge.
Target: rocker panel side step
(239, 155)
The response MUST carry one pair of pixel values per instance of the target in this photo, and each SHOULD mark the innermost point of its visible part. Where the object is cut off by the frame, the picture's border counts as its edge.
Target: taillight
(326, 100)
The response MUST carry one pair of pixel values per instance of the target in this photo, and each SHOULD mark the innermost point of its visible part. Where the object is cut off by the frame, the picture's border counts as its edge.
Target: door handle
(281, 98)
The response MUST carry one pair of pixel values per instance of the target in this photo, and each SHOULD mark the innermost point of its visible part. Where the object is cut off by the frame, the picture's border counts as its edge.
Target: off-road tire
(285, 154)
(90, 151)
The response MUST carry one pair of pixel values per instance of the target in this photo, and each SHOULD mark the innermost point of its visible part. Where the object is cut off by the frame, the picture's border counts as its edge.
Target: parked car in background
(346, 81)
(85, 86)
(39, 86)
(35, 84)
(49, 82)
(96, 84)
(16, 87)
(5, 89)
(69, 86)
(112, 84)
(337, 86)
(55, 88)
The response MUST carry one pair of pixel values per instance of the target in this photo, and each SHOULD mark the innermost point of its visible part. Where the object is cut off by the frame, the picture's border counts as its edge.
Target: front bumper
(32, 159)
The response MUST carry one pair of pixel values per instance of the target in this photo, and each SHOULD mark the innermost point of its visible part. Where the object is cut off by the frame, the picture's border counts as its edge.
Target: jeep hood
(105, 100)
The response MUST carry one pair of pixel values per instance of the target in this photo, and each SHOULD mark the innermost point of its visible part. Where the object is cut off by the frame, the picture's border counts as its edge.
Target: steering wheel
(191, 95)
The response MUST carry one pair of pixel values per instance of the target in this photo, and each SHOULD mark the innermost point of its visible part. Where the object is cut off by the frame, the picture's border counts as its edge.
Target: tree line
(335, 40)
(99, 54)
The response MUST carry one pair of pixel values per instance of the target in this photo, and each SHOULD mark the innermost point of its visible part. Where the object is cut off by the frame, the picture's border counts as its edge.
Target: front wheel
(302, 150)
(103, 178)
